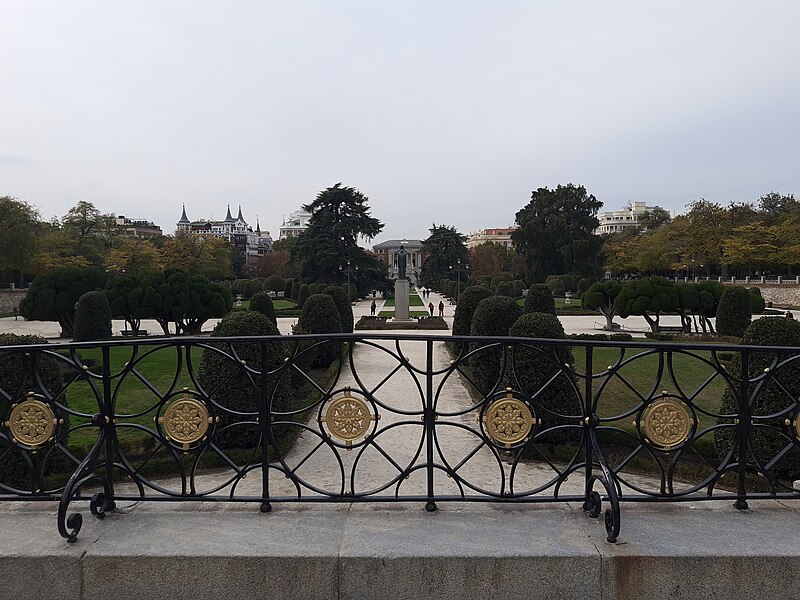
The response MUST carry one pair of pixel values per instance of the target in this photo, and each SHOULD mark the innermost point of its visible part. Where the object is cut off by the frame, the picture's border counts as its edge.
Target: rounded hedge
(536, 365)
(227, 382)
(504, 288)
(302, 295)
(92, 317)
(757, 303)
(776, 397)
(319, 316)
(583, 285)
(470, 297)
(343, 307)
(262, 303)
(517, 287)
(295, 289)
(539, 299)
(287, 289)
(493, 316)
(556, 286)
(734, 312)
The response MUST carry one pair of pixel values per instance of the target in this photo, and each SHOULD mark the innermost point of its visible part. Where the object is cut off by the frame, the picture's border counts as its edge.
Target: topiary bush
(262, 303)
(504, 288)
(303, 294)
(556, 286)
(535, 366)
(470, 297)
(295, 290)
(319, 315)
(757, 304)
(539, 299)
(226, 380)
(275, 283)
(776, 397)
(92, 317)
(517, 287)
(583, 285)
(16, 380)
(734, 312)
(493, 316)
(287, 289)
(343, 307)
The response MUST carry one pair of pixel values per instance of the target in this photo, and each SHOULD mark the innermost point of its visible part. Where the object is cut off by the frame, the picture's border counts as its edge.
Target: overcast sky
(439, 111)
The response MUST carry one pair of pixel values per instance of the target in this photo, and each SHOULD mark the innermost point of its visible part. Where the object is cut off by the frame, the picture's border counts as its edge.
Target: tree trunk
(652, 322)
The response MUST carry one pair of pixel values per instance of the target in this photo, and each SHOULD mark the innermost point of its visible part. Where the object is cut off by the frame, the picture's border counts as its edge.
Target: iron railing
(385, 418)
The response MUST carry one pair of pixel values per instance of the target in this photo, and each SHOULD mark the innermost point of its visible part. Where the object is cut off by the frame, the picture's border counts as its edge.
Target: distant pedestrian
(430, 307)
(372, 308)
(441, 308)
(789, 314)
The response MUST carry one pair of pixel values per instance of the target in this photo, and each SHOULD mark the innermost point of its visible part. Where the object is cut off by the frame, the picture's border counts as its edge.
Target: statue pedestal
(401, 300)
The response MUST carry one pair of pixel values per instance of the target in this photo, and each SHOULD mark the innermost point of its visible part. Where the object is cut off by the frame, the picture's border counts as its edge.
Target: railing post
(742, 430)
(587, 411)
(429, 422)
(111, 431)
(265, 424)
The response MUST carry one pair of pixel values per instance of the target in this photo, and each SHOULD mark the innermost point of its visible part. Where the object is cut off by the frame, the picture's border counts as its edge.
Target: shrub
(262, 303)
(295, 290)
(303, 294)
(504, 288)
(583, 285)
(556, 286)
(319, 315)
(777, 396)
(492, 317)
(517, 287)
(52, 295)
(16, 380)
(226, 380)
(734, 313)
(539, 299)
(535, 366)
(287, 289)
(462, 322)
(757, 304)
(92, 317)
(343, 307)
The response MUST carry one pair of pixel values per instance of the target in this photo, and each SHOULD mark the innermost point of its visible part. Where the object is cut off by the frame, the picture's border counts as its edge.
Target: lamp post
(458, 277)
(347, 269)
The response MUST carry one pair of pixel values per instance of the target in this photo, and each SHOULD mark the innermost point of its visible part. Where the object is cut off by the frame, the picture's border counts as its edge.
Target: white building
(617, 220)
(295, 224)
(500, 236)
(236, 231)
(387, 252)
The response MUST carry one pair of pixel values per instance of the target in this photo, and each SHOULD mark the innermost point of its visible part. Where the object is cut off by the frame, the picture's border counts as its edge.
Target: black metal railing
(383, 418)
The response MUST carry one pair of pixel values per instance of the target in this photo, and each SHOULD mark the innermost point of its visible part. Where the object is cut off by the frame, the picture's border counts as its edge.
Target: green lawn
(411, 313)
(279, 304)
(413, 300)
(616, 397)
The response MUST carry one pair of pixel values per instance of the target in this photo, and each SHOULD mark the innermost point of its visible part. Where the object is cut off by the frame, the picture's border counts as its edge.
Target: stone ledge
(464, 551)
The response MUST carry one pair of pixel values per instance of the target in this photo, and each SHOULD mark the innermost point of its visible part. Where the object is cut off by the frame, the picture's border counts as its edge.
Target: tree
(339, 218)
(92, 231)
(555, 232)
(52, 296)
(132, 256)
(489, 258)
(653, 219)
(92, 317)
(445, 247)
(19, 222)
(197, 255)
(648, 297)
(774, 206)
(278, 263)
(275, 283)
(601, 296)
(734, 312)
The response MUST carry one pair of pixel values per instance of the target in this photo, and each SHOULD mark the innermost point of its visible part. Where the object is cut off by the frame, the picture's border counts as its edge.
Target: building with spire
(236, 231)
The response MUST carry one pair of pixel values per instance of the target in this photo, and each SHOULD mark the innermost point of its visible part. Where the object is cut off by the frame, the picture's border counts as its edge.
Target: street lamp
(347, 269)
(458, 277)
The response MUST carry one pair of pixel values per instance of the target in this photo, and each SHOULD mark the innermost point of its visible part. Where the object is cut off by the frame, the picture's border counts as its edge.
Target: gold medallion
(185, 421)
(31, 422)
(348, 418)
(667, 423)
(508, 421)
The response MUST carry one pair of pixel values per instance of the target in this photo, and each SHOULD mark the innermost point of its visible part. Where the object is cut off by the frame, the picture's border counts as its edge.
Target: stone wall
(9, 300)
(781, 295)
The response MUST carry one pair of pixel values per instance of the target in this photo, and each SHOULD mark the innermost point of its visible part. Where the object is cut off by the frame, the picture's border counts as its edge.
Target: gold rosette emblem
(508, 421)
(667, 423)
(348, 418)
(31, 423)
(185, 421)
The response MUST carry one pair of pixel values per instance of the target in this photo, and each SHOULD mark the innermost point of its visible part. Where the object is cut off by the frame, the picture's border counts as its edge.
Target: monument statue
(401, 263)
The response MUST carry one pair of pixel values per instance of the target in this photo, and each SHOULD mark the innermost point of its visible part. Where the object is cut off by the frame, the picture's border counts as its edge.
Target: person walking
(372, 308)
(441, 308)
(430, 307)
